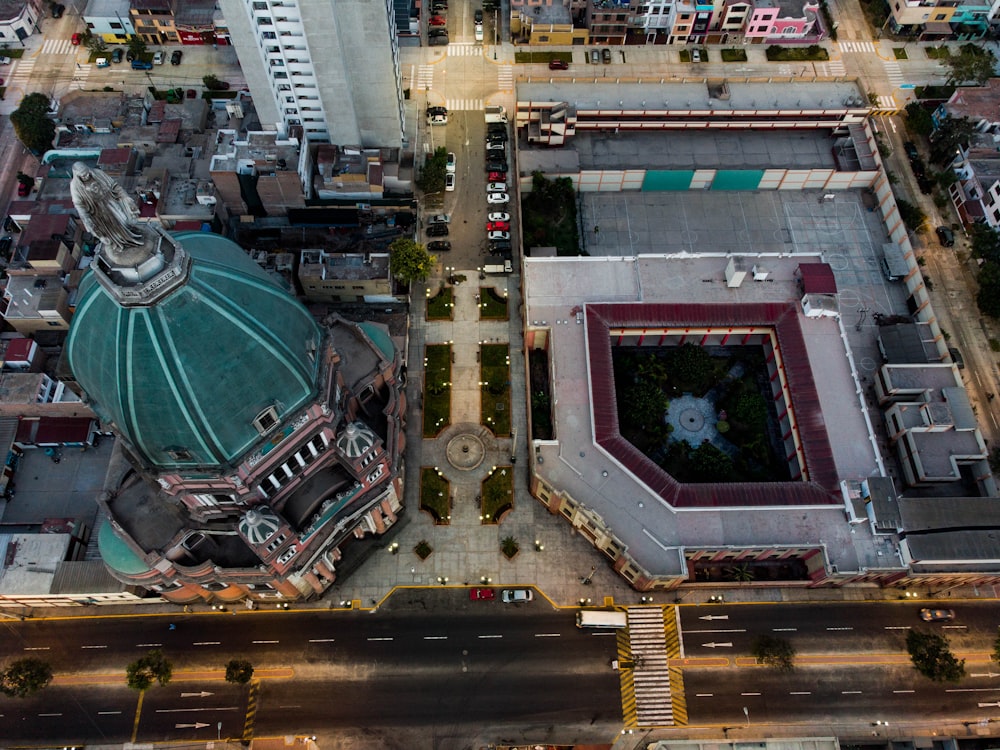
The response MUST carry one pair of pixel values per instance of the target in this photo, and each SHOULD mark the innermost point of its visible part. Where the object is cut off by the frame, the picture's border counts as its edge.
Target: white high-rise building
(322, 70)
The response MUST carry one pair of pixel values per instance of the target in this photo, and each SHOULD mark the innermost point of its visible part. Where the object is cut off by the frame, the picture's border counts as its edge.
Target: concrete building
(346, 277)
(322, 73)
(109, 20)
(19, 20)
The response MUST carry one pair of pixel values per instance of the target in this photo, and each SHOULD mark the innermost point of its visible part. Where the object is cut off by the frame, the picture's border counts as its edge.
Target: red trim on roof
(783, 317)
(52, 430)
(817, 278)
(18, 350)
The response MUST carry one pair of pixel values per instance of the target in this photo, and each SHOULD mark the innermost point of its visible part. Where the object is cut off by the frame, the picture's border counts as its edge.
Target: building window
(179, 454)
(260, 6)
(266, 420)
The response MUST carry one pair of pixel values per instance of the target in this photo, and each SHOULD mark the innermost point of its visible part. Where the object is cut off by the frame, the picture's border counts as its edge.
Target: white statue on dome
(109, 214)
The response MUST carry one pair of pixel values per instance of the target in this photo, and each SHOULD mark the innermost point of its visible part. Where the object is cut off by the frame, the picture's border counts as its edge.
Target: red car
(498, 177)
(497, 226)
(438, 21)
(75, 40)
(478, 595)
(23, 189)
(558, 65)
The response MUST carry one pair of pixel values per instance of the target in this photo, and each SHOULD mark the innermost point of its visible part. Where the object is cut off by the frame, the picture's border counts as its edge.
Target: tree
(25, 677)
(973, 64)
(751, 410)
(911, 215)
(918, 119)
(410, 260)
(952, 134)
(645, 402)
(95, 44)
(691, 365)
(996, 644)
(932, 657)
(137, 46)
(32, 124)
(212, 83)
(141, 673)
(985, 242)
(774, 652)
(431, 179)
(709, 464)
(239, 671)
(988, 296)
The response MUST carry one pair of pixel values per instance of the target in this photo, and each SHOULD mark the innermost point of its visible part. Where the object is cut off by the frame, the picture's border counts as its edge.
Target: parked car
(595, 57)
(449, 182)
(482, 595)
(4, 60)
(159, 57)
(438, 41)
(129, 55)
(945, 236)
(937, 615)
(696, 55)
(438, 246)
(451, 163)
(176, 56)
(496, 198)
(439, 8)
(477, 16)
(496, 187)
(76, 39)
(117, 54)
(23, 189)
(437, 230)
(956, 357)
(499, 146)
(513, 596)
(606, 56)
(911, 150)
(440, 219)
(5, 242)
(435, 32)
(501, 247)
(498, 216)
(498, 236)
(495, 163)
(57, 10)
(478, 33)
(497, 177)
(438, 21)
(141, 65)
(497, 226)
(558, 65)
(103, 62)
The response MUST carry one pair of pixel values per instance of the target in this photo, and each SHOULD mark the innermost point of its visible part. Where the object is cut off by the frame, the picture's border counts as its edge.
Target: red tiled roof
(54, 430)
(817, 278)
(783, 318)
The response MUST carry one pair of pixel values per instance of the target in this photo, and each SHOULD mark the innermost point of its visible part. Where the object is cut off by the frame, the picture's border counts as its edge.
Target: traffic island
(497, 496)
(435, 495)
(437, 389)
(495, 384)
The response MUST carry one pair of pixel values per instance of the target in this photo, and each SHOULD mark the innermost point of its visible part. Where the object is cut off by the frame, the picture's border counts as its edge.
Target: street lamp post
(746, 712)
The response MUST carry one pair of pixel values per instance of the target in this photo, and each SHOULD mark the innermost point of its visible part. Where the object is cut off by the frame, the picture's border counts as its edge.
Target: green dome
(184, 378)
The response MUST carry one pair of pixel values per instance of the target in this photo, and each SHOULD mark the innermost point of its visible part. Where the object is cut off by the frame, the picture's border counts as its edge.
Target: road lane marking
(260, 642)
(148, 645)
(93, 646)
(704, 695)
(109, 713)
(971, 690)
(850, 692)
(47, 715)
(749, 693)
(321, 640)
(784, 630)
(380, 639)
(489, 636)
(840, 628)
(548, 635)
(37, 648)
(186, 710)
(800, 692)
(897, 627)
(435, 637)
(904, 691)
(207, 643)
(604, 632)
(714, 631)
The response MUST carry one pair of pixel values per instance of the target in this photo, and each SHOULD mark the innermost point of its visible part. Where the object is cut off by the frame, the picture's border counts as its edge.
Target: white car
(493, 198)
(496, 187)
(494, 146)
(498, 216)
(4, 61)
(440, 219)
(498, 235)
(451, 163)
(449, 182)
(513, 596)
(159, 58)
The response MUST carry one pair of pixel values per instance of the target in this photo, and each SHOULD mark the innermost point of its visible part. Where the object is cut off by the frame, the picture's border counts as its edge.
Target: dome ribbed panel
(189, 374)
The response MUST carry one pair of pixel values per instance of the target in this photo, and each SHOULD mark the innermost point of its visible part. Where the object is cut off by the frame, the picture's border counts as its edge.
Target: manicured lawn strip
(497, 494)
(791, 54)
(492, 304)
(435, 495)
(495, 375)
(938, 53)
(734, 55)
(441, 305)
(540, 57)
(437, 388)
(900, 53)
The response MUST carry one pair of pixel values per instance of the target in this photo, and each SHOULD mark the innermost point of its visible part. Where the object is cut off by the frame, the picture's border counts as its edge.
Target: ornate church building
(253, 443)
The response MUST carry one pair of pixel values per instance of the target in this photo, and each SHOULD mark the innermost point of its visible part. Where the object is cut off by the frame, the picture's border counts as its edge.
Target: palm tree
(741, 573)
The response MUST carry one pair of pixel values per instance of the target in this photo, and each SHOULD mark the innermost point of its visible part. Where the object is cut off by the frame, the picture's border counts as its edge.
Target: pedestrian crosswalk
(831, 69)
(82, 74)
(886, 105)
(645, 676)
(464, 104)
(857, 46)
(21, 72)
(57, 47)
(505, 77)
(467, 49)
(425, 77)
(893, 73)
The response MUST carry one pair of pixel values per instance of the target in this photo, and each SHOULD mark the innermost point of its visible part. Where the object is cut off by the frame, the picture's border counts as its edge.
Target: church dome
(192, 378)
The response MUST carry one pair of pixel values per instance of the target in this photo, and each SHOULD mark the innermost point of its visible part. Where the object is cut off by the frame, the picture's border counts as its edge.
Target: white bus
(597, 618)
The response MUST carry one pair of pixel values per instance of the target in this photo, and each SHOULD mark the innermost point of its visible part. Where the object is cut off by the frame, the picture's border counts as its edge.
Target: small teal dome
(193, 379)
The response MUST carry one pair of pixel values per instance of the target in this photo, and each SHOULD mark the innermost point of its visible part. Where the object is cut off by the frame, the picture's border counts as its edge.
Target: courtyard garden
(549, 215)
(497, 496)
(435, 495)
(492, 304)
(494, 374)
(701, 414)
(441, 305)
(437, 388)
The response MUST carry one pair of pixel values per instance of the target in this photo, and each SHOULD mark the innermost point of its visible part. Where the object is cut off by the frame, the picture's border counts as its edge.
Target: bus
(599, 618)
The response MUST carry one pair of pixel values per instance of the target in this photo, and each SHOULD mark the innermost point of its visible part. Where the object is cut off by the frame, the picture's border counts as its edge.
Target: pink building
(782, 20)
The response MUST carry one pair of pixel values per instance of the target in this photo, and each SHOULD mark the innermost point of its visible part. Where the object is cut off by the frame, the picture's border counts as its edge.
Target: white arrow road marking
(714, 617)
(991, 675)
(713, 644)
(990, 705)
(202, 694)
(198, 725)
